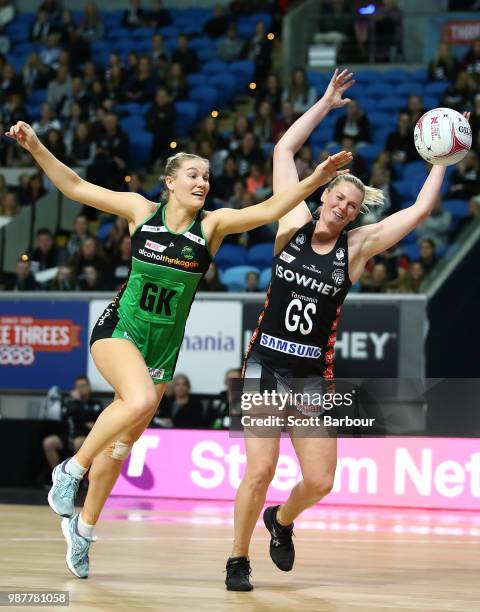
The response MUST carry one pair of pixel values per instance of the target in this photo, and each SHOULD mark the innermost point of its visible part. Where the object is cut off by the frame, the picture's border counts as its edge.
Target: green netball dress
(152, 307)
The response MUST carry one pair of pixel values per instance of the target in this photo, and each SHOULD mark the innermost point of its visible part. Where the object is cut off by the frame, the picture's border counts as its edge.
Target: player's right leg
(123, 366)
(262, 457)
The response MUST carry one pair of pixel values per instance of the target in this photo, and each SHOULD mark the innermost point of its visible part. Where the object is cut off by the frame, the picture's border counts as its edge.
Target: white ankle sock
(73, 468)
(84, 529)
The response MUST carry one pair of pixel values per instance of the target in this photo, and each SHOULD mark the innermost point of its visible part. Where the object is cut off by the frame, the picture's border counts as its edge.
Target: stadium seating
(260, 255)
(234, 278)
(230, 255)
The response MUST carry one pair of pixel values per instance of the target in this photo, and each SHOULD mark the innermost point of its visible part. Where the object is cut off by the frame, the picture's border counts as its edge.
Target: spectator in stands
(65, 26)
(224, 184)
(247, 154)
(358, 166)
(55, 144)
(259, 51)
(270, 91)
(256, 179)
(110, 163)
(336, 23)
(376, 281)
(428, 257)
(91, 26)
(46, 254)
(83, 149)
(471, 61)
(184, 411)
(461, 93)
(135, 184)
(209, 130)
(135, 16)
(388, 22)
(40, 27)
(78, 413)
(224, 406)
(59, 91)
(381, 179)
(230, 47)
(47, 121)
(394, 261)
(9, 205)
(53, 9)
(475, 122)
(176, 83)
(115, 235)
(158, 17)
(14, 109)
(120, 264)
(35, 75)
(185, 56)
(81, 230)
(7, 14)
(304, 162)
(142, 85)
(90, 254)
(23, 279)
(91, 280)
(417, 275)
(218, 24)
(252, 280)
(160, 120)
(11, 82)
(211, 282)
(354, 124)
(301, 94)
(78, 48)
(415, 109)
(239, 190)
(90, 74)
(51, 55)
(465, 179)
(241, 126)
(438, 225)
(64, 280)
(400, 144)
(159, 55)
(287, 117)
(444, 66)
(263, 124)
(35, 189)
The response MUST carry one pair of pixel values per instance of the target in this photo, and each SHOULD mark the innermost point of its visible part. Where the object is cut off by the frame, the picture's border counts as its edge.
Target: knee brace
(119, 450)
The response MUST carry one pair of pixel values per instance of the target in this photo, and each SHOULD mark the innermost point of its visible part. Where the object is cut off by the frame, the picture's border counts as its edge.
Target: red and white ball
(443, 136)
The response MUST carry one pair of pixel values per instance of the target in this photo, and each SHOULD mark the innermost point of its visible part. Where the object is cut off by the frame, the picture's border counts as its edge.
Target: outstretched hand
(23, 133)
(338, 85)
(329, 169)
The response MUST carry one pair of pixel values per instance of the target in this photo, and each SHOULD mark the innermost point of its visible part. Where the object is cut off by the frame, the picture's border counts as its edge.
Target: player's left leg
(318, 459)
(105, 470)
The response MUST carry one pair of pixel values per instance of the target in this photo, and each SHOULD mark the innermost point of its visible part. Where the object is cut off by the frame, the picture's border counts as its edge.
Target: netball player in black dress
(315, 264)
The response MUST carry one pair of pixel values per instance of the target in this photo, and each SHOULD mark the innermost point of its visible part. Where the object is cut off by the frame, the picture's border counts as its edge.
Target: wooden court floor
(170, 559)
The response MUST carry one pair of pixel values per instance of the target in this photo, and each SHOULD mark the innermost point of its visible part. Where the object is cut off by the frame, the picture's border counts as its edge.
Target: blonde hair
(175, 161)
(371, 195)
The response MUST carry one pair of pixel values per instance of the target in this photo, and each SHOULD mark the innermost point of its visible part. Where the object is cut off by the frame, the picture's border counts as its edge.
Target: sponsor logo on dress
(312, 268)
(300, 239)
(290, 348)
(187, 252)
(302, 280)
(165, 259)
(338, 277)
(154, 246)
(287, 257)
(194, 238)
(156, 373)
(154, 228)
(294, 246)
(340, 254)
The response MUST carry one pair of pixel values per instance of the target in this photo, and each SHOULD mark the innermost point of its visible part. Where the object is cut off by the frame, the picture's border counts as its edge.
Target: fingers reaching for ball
(22, 133)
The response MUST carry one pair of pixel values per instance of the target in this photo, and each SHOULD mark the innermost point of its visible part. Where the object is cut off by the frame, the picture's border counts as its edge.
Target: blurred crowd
(79, 123)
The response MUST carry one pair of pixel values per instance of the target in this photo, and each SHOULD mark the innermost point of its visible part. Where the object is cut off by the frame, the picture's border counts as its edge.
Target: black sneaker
(282, 550)
(238, 574)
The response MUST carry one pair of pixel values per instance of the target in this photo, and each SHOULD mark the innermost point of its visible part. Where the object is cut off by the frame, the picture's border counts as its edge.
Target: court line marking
(103, 538)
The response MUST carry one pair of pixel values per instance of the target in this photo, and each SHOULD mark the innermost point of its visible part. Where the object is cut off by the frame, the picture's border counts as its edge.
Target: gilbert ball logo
(300, 239)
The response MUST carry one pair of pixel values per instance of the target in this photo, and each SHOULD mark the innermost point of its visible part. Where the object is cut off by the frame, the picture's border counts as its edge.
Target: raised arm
(132, 206)
(378, 237)
(227, 221)
(284, 170)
